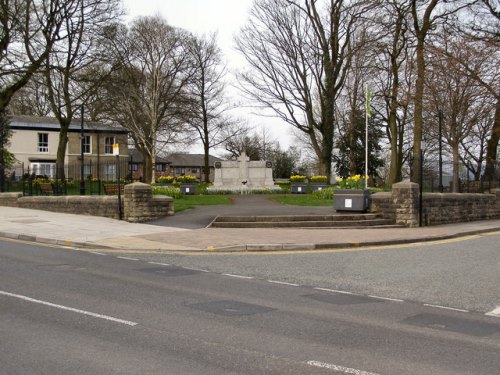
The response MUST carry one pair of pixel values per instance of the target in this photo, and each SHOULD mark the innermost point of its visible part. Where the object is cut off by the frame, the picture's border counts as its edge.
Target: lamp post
(82, 138)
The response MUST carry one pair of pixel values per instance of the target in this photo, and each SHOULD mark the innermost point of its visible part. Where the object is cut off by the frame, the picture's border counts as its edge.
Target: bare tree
(393, 60)
(67, 85)
(209, 110)
(299, 53)
(148, 94)
(29, 29)
(426, 15)
(457, 95)
(485, 29)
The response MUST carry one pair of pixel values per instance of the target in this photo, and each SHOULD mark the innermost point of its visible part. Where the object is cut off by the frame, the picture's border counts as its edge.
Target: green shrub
(326, 193)
(169, 191)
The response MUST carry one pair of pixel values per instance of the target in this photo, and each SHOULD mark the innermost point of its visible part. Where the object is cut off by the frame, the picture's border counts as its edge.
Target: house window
(133, 167)
(43, 142)
(179, 170)
(110, 172)
(159, 167)
(87, 144)
(108, 145)
(44, 169)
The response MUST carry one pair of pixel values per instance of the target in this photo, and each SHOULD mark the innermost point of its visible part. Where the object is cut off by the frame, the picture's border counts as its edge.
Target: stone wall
(141, 205)
(442, 208)
(138, 204)
(402, 205)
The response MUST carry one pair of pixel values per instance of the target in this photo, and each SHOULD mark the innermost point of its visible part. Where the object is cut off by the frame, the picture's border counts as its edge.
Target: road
(66, 312)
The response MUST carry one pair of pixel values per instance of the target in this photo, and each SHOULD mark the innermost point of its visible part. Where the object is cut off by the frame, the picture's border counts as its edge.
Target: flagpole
(367, 108)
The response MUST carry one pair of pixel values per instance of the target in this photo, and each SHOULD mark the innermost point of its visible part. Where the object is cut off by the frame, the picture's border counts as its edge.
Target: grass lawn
(301, 200)
(189, 201)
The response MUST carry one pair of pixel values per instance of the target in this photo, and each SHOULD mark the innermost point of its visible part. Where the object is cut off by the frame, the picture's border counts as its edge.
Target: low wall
(138, 203)
(402, 205)
(439, 208)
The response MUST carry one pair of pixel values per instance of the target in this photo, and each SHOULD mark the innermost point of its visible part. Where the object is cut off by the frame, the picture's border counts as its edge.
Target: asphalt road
(70, 312)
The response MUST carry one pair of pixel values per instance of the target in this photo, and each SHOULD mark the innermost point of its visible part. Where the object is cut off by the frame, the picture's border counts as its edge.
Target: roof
(51, 123)
(177, 159)
(191, 160)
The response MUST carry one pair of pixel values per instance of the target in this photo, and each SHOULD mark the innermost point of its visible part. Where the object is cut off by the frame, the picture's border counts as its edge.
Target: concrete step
(299, 221)
(302, 218)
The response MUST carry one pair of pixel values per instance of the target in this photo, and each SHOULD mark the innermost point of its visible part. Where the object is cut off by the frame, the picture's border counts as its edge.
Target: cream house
(34, 143)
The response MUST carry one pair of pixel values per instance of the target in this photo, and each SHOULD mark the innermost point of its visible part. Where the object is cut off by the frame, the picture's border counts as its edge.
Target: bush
(169, 191)
(326, 193)
(318, 179)
(165, 180)
(297, 178)
(186, 179)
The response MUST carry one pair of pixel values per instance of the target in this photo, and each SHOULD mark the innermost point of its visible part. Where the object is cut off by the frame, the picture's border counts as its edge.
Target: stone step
(301, 218)
(386, 223)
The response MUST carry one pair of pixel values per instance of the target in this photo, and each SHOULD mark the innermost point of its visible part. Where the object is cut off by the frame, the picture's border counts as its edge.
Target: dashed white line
(127, 258)
(237, 276)
(61, 307)
(334, 290)
(96, 253)
(345, 370)
(495, 313)
(195, 269)
(445, 307)
(159, 264)
(387, 298)
(282, 283)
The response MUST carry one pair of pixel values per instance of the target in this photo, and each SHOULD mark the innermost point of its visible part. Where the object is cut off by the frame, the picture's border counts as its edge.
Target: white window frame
(108, 147)
(89, 144)
(43, 146)
(43, 169)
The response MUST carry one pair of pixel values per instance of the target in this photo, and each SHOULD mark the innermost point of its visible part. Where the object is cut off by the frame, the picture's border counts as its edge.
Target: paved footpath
(109, 234)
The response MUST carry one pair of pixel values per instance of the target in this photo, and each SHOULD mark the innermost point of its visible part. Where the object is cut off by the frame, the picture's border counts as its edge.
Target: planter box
(317, 187)
(187, 189)
(298, 188)
(351, 200)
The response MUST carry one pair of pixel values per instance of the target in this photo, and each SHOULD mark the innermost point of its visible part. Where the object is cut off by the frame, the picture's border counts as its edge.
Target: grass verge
(189, 201)
(301, 200)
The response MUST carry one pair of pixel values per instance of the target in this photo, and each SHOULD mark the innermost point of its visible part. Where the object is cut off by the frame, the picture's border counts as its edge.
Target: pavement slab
(105, 233)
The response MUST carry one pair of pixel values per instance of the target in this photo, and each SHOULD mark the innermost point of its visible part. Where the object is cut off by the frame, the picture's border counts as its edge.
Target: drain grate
(169, 271)
(231, 308)
(447, 323)
(342, 299)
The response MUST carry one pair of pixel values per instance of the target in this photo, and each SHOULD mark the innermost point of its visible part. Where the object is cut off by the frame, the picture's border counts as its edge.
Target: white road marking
(445, 307)
(334, 290)
(95, 252)
(345, 370)
(127, 258)
(95, 315)
(237, 276)
(195, 269)
(282, 283)
(159, 264)
(387, 298)
(495, 313)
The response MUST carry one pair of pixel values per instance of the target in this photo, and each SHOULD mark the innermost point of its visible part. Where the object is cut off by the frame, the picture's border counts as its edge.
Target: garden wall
(402, 205)
(138, 203)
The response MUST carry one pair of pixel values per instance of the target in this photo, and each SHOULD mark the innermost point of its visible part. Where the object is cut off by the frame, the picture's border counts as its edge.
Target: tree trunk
(147, 168)
(61, 149)
(418, 115)
(492, 145)
(456, 161)
(206, 165)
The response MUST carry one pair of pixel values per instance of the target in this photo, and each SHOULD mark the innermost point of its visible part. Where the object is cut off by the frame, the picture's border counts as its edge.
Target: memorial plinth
(243, 176)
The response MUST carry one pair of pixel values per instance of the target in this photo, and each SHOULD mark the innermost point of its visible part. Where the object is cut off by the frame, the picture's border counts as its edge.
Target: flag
(368, 102)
